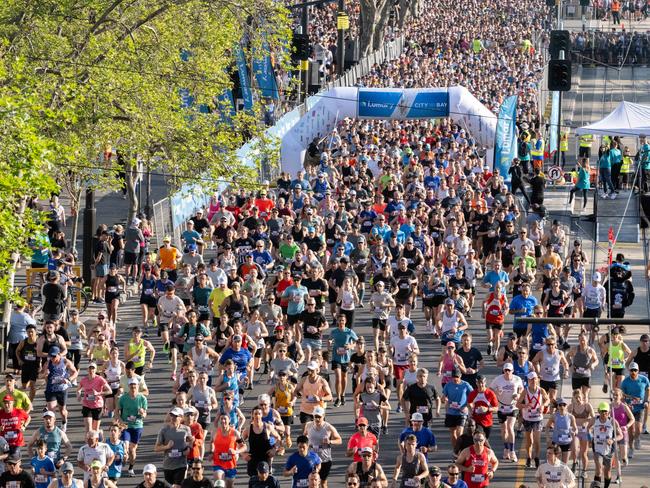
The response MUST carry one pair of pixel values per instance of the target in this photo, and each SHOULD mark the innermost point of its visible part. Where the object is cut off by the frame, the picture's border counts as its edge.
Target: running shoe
(489, 349)
(529, 463)
(513, 457)
(130, 473)
(637, 443)
(337, 402)
(342, 400)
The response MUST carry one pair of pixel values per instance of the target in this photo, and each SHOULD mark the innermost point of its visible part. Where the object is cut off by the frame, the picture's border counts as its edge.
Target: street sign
(555, 173)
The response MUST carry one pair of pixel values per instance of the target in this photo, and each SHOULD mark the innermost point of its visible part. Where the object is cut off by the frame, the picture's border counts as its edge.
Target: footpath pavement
(508, 474)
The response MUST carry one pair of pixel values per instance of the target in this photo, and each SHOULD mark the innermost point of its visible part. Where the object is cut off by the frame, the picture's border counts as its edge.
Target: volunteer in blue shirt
(302, 463)
(343, 340)
(522, 305)
(455, 395)
(605, 169)
(636, 391)
(495, 275)
(426, 438)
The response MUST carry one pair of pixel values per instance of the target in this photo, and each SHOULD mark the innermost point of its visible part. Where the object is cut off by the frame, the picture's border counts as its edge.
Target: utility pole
(342, 24)
(304, 63)
(88, 232)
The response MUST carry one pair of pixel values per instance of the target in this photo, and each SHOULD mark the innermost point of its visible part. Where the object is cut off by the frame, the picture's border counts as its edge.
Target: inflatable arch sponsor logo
(402, 104)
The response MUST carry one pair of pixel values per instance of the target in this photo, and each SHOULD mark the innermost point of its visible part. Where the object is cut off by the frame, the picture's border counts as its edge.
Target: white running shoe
(612, 196)
(513, 457)
(506, 454)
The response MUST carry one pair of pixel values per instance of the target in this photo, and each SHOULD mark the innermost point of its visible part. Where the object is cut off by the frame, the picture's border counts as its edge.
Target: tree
(114, 72)
(373, 19)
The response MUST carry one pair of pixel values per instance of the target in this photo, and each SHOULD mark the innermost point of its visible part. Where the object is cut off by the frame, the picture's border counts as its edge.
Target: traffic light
(560, 41)
(559, 75)
(302, 48)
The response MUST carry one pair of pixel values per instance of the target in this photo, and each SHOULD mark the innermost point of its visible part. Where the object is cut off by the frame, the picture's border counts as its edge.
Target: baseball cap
(149, 468)
(12, 459)
(8, 398)
(190, 410)
(219, 484)
(167, 239)
(312, 365)
(319, 411)
(532, 375)
(97, 464)
(366, 449)
(92, 365)
(508, 366)
(49, 413)
(449, 301)
(192, 247)
(67, 468)
(603, 407)
(54, 350)
(596, 276)
(561, 401)
(633, 366)
(133, 381)
(417, 417)
(176, 411)
(434, 470)
(263, 467)
(362, 421)
(10, 376)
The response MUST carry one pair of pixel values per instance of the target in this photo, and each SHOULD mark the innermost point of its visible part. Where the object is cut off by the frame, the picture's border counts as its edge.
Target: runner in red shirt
(482, 403)
(13, 422)
(360, 439)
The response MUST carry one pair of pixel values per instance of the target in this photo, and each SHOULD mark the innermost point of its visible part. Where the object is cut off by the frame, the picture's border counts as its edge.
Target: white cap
(596, 276)
(633, 365)
(508, 366)
(149, 468)
(532, 375)
(178, 412)
(319, 411)
(49, 413)
(312, 365)
(133, 381)
(417, 417)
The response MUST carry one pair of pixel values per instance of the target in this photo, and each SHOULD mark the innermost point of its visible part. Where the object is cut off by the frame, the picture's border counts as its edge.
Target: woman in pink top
(92, 390)
(625, 418)
(448, 361)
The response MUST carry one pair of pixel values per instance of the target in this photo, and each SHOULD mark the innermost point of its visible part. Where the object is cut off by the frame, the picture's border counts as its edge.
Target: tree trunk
(381, 18)
(75, 200)
(130, 180)
(367, 26)
(11, 279)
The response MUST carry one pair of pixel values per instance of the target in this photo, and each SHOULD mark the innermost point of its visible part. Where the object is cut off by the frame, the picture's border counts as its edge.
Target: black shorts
(342, 366)
(95, 413)
(438, 300)
(175, 476)
(332, 297)
(292, 319)
(324, 471)
(287, 419)
(455, 420)
(577, 383)
(583, 152)
(504, 416)
(379, 324)
(548, 385)
(114, 391)
(130, 258)
(428, 303)
(519, 332)
(533, 425)
(306, 417)
(29, 372)
(362, 279)
(565, 447)
(493, 326)
(148, 300)
(592, 313)
(61, 397)
(568, 311)
(618, 371)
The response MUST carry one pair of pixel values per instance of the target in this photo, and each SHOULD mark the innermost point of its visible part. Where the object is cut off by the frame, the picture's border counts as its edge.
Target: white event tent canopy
(628, 119)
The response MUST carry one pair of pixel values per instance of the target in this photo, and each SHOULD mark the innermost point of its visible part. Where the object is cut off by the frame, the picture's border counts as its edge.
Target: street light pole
(342, 23)
(88, 233)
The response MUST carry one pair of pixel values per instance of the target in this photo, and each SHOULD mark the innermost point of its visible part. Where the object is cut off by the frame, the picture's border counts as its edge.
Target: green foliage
(78, 76)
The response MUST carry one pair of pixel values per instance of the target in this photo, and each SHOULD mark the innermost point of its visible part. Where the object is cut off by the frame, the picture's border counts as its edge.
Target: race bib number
(225, 456)
(90, 397)
(203, 308)
(40, 478)
(581, 370)
(175, 453)
(10, 434)
(506, 408)
(341, 351)
(302, 483)
(312, 330)
(111, 289)
(411, 482)
(148, 291)
(564, 438)
(131, 418)
(478, 478)
(30, 357)
(283, 409)
(423, 409)
(455, 405)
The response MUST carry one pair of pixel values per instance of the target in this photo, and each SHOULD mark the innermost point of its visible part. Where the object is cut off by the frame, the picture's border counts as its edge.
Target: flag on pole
(612, 241)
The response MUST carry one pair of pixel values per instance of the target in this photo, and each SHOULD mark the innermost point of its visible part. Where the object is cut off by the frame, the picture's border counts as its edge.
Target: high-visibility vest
(626, 167)
(564, 141)
(586, 140)
(537, 152)
(607, 140)
(476, 46)
(616, 6)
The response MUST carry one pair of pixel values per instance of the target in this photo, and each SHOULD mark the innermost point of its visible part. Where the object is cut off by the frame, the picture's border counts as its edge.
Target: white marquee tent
(628, 119)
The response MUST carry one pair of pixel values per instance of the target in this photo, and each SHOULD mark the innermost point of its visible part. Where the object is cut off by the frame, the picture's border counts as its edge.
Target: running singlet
(480, 462)
(533, 410)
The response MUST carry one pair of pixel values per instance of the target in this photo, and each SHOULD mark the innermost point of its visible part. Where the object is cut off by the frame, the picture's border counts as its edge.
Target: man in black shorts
(174, 440)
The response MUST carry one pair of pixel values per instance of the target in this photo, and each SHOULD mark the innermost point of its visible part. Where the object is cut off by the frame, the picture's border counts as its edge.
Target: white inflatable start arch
(385, 103)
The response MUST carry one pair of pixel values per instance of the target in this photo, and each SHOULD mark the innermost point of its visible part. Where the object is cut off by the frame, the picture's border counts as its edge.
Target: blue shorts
(132, 435)
(101, 270)
(313, 344)
(227, 473)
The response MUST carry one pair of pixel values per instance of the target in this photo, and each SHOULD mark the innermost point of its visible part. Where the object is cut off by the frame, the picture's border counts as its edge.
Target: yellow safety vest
(537, 153)
(586, 140)
(564, 141)
(607, 140)
(476, 46)
(626, 167)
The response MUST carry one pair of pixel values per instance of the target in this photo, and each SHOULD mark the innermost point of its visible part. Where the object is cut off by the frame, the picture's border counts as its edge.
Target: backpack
(523, 148)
